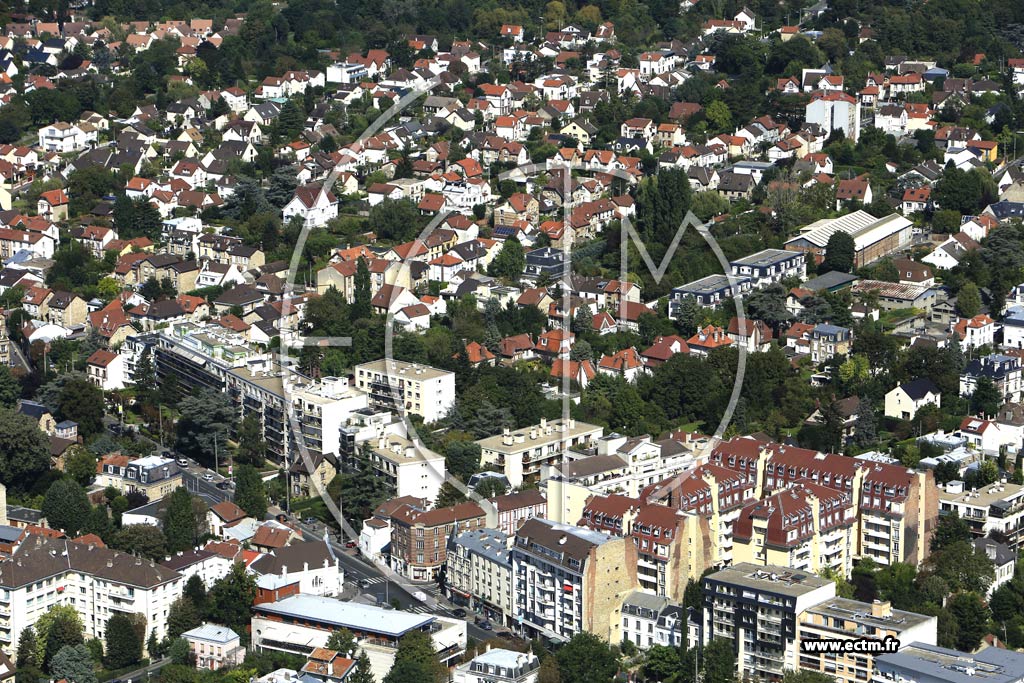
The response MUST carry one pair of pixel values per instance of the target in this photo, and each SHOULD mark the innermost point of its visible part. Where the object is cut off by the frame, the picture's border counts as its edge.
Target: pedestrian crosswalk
(419, 609)
(374, 580)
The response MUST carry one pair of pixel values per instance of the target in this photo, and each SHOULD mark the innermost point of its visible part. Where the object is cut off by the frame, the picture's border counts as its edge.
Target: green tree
(719, 116)
(250, 491)
(182, 616)
(252, 449)
(24, 450)
(839, 253)
(719, 662)
(968, 300)
(144, 540)
(27, 645)
(362, 673)
(58, 627)
(462, 458)
(82, 401)
(124, 646)
(205, 423)
(586, 659)
(180, 652)
(986, 398)
(963, 567)
(509, 262)
(362, 294)
(179, 522)
(971, 617)
(195, 590)
(661, 663)
(548, 671)
(230, 598)
(74, 664)
(803, 676)
(10, 389)
(342, 641)
(950, 529)
(416, 661)
(80, 465)
(66, 506)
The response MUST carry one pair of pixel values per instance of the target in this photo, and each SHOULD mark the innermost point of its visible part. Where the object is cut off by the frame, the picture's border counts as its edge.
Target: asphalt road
(383, 585)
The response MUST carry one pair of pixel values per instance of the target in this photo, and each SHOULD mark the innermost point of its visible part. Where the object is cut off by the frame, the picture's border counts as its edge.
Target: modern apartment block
(843, 619)
(806, 527)
(520, 454)
(757, 609)
(293, 410)
(419, 538)
(896, 508)
(997, 508)
(568, 579)
(408, 467)
(407, 388)
(97, 582)
(927, 663)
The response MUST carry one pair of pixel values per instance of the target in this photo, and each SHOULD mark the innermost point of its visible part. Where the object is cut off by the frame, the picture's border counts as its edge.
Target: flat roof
(985, 496)
(710, 284)
(351, 615)
(786, 581)
(766, 257)
(537, 436)
(399, 367)
(932, 663)
(860, 612)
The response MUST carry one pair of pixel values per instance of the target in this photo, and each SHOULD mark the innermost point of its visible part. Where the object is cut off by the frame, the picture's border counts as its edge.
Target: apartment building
(568, 579)
(1004, 371)
(153, 476)
(806, 527)
(928, 663)
(994, 509)
(407, 387)
(842, 619)
(769, 266)
(828, 341)
(96, 581)
(514, 508)
(408, 467)
(649, 620)
(479, 573)
(757, 609)
(520, 454)
(671, 548)
(896, 508)
(714, 494)
(496, 665)
(419, 537)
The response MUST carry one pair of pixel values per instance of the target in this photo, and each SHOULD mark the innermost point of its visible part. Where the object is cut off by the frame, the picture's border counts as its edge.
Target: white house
(62, 137)
(313, 204)
(106, 369)
(905, 400)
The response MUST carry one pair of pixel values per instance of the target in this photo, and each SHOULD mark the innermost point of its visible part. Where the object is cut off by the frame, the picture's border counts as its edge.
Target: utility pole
(216, 463)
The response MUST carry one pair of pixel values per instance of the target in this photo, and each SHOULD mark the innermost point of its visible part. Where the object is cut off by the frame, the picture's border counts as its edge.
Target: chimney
(881, 609)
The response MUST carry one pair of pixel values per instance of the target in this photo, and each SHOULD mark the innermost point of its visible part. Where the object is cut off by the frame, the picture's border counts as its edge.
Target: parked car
(182, 462)
(350, 544)
(459, 612)
(485, 625)
(208, 476)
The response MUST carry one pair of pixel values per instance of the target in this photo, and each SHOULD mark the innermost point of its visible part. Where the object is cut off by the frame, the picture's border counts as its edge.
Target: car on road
(311, 520)
(208, 476)
(224, 485)
(459, 612)
(507, 635)
(363, 583)
(485, 625)
(350, 544)
(182, 462)
(420, 595)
